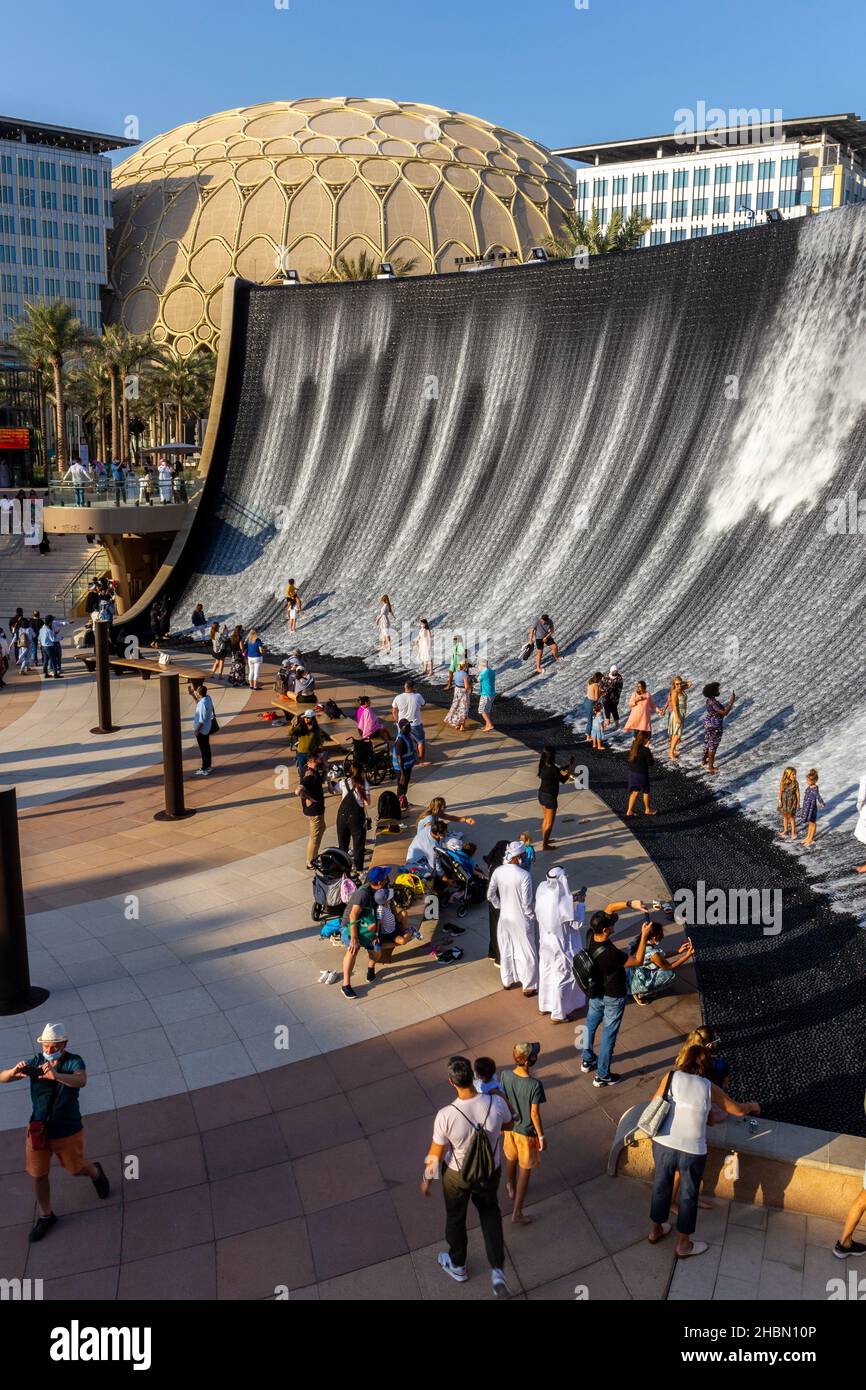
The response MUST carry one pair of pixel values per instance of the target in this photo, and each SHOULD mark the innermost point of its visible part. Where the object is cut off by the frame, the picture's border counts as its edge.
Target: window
(679, 207)
(7, 164)
(659, 212)
(7, 194)
(47, 171)
(49, 199)
(599, 190)
(69, 173)
(681, 179)
(720, 205)
(789, 168)
(744, 173)
(9, 282)
(7, 254)
(723, 175)
(717, 231)
(620, 185)
(743, 202)
(700, 207)
(660, 183)
(699, 231)
(766, 169)
(788, 198)
(826, 199)
(27, 196)
(657, 238)
(638, 184)
(621, 209)
(702, 178)
(679, 234)
(30, 284)
(26, 168)
(639, 209)
(765, 199)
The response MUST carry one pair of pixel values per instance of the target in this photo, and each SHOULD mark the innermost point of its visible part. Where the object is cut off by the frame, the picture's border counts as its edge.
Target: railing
(74, 591)
(135, 491)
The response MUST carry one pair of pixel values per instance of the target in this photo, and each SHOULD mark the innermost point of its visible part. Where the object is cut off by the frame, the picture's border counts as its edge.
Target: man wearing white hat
(510, 889)
(56, 1076)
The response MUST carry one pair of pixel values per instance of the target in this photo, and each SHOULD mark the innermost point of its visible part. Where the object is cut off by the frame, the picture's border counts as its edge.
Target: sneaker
(500, 1288)
(371, 974)
(587, 1067)
(206, 771)
(100, 1182)
(459, 1275)
(323, 976)
(42, 1227)
(348, 992)
(611, 1080)
(331, 977)
(200, 772)
(845, 1252)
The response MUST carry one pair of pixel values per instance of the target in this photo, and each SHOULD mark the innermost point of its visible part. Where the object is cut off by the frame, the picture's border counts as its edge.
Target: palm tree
(186, 382)
(586, 234)
(366, 267)
(89, 390)
(48, 334)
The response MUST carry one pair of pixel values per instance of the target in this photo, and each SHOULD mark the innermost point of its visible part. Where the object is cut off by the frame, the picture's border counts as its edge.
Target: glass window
(681, 179)
(660, 183)
(743, 202)
(723, 174)
(700, 207)
(702, 178)
(679, 234)
(679, 207)
(826, 199)
(657, 238)
(720, 204)
(766, 199)
(744, 173)
(718, 230)
(659, 212)
(766, 168)
(789, 168)
(620, 186)
(639, 209)
(699, 231)
(638, 183)
(599, 189)
(788, 198)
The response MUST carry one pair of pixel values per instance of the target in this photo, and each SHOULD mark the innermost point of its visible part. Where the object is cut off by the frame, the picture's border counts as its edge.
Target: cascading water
(657, 450)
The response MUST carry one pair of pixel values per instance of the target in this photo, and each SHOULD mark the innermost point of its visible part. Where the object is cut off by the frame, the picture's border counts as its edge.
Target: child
(486, 1080)
(789, 801)
(597, 727)
(812, 799)
(529, 854)
(522, 1146)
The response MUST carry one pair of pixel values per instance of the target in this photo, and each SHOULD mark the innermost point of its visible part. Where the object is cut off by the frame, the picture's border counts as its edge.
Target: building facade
(710, 181)
(55, 212)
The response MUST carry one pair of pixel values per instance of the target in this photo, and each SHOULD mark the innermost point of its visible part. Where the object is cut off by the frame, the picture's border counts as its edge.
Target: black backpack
(479, 1165)
(332, 710)
(388, 807)
(281, 681)
(586, 971)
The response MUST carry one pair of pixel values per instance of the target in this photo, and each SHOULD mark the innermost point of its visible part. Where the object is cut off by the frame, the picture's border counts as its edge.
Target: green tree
(366, 267)
(88, 389)
(586, 234)
(185, 382)
(47, 335)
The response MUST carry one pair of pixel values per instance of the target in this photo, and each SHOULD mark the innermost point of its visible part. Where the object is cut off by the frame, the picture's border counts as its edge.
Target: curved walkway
(173, 952)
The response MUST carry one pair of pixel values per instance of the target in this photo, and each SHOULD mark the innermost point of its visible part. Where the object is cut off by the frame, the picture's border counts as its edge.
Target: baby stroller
(452, 877)
(331, 867)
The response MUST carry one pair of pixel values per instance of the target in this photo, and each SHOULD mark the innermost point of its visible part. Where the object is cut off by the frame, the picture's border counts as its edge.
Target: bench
(146, 669)
(86, 658)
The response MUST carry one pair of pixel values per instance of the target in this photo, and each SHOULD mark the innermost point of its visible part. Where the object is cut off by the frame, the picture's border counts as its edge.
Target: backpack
(347, 888)
(282, 681)
(332, 710)
(479, 1165)
(586, 970)
(388, 806)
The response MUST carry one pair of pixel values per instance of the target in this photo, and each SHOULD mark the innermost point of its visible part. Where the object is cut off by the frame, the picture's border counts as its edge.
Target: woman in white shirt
(860, 827)
(383, 623)
(681, 1145)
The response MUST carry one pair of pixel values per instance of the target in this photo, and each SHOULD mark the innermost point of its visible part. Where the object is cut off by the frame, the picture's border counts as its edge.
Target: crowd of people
(124, 482)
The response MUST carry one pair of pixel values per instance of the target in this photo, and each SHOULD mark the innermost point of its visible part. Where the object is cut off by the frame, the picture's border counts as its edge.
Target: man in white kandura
(559, 994)
(510, 889)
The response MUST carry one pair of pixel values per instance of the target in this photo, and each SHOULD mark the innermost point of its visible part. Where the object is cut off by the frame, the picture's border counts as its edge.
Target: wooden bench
(146, 669)
(87, 658)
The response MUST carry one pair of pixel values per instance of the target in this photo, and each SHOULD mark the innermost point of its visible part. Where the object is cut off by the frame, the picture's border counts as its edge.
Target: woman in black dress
(550, 779)
(640, 761)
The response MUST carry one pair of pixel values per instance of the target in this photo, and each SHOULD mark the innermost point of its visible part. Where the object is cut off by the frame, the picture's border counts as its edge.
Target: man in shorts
(846, 1246)
(522, 1145)
(409, 705)
(360, 928)
(56, 1076)
(541, 634)
(486, 695)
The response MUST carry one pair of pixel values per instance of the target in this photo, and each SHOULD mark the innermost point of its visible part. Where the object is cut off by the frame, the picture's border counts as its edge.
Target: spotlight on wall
(291, 277)
(774, 215)
(538, 253)
(386, 271)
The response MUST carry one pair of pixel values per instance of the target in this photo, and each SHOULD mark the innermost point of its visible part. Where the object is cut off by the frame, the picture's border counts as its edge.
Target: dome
(296, 184)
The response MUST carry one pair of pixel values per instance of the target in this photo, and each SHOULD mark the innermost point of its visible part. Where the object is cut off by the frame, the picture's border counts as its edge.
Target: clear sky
(545, 68)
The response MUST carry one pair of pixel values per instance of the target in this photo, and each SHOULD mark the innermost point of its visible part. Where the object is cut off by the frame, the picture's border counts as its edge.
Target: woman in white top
(681, 1144)
(383, 623)
(424, 643)
(559, 994)
(860, 827)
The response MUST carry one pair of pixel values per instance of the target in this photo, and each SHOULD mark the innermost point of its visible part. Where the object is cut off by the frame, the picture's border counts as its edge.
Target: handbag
(214, 726)
(654, 1115)
(37, 1130)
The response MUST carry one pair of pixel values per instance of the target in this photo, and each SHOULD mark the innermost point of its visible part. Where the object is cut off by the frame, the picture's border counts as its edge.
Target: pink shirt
(368, 722)
(640, 717)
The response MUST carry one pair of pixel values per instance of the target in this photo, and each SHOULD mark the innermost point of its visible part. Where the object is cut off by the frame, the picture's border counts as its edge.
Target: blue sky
(545, 68)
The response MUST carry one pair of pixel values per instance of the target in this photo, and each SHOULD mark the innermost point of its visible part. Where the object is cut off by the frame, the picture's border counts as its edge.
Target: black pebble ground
(790, 1008)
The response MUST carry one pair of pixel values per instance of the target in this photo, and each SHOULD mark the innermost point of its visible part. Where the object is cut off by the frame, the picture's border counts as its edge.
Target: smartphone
(35, 1073)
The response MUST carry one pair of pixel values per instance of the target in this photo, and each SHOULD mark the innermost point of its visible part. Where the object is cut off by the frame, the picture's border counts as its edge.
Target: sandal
(666, 1230)
(699, 1247)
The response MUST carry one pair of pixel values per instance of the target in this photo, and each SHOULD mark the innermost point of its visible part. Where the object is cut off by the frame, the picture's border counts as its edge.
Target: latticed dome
(296, 184)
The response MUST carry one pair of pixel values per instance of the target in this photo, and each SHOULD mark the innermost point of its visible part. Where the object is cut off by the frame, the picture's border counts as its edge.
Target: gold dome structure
(296, 184)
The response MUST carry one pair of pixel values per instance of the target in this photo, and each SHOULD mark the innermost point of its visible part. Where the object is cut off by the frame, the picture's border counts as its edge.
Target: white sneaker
(323, 976)
(201, 772)
(458, 1275)
(500, 1288)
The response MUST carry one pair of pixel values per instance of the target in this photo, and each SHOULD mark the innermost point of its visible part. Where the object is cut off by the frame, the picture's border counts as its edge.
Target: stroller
(331, 867)
(451, 877)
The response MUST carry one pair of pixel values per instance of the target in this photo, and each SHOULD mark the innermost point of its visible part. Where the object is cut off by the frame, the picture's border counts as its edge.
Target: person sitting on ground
(657, 971)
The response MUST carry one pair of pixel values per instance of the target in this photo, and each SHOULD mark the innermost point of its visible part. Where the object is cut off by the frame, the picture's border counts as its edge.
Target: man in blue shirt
(487, 694)
(56, 1076)
(202, 723)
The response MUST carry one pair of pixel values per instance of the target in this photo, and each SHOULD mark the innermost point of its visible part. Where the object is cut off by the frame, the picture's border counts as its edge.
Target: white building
(695, 183)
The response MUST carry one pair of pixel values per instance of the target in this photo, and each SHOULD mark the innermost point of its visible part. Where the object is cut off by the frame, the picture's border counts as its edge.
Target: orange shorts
(70, 1152)
(521, 1148)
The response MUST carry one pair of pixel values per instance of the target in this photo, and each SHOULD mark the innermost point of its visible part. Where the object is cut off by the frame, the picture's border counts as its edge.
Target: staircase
(31, 580)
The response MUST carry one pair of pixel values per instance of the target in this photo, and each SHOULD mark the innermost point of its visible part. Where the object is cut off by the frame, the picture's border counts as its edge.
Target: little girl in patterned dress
(812, 799)
(789, 801)
(597, 726)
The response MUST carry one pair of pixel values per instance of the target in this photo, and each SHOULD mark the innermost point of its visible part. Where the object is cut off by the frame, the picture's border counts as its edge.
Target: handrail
(182, 490)
(97, 561)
